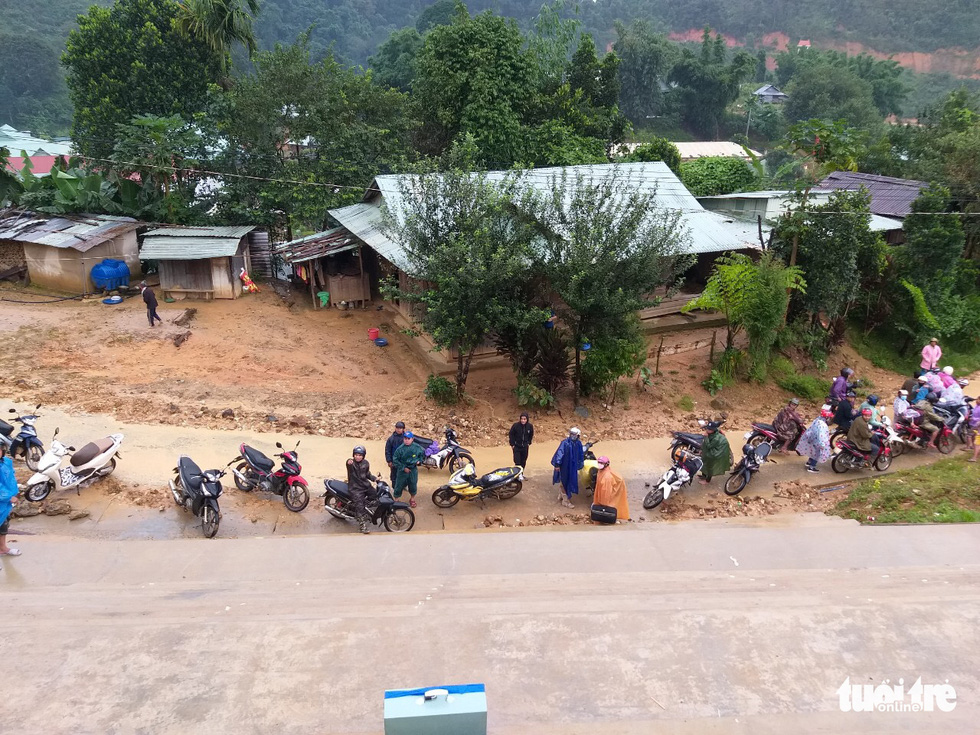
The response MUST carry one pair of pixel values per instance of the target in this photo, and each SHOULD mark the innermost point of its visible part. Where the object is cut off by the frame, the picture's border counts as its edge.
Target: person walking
(931, 355)
(521, 436)
(359, 479)
(569, 458)
(610, 489)
(8, 496)
(407, 459)
(394, 441)
(716, 453)
(815, 442)
(150, 299)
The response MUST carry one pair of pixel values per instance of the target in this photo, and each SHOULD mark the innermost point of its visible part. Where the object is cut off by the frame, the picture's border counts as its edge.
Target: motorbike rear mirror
(297, 444)
(278, 445)
(56, 430)
(12, 410)
(38, 406)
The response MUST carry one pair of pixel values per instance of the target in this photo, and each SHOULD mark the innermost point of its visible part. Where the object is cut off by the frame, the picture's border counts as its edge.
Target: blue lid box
(447, 710)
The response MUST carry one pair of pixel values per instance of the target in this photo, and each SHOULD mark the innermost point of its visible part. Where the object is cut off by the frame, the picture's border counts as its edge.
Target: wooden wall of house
(260, 254)
(354, 290)
(186, 279)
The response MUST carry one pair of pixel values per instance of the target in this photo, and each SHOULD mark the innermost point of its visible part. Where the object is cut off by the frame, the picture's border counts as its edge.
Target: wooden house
(329, 263)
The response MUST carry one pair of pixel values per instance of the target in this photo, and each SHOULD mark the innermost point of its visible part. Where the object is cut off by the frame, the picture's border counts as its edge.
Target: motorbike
(753, 457)
(502, 483)
(955, 416)
(849, 457)
(684, 441)
(383, 509)
(766, 434)
(682, 472)
(590, 469)
(90, 463)
(26, 442)
(451, 454)
(198, 492)
(255, 472)
(912, 435)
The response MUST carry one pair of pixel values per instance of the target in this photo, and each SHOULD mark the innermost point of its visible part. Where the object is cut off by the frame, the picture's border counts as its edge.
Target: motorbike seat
(256, 458)
(695, 439)
(5, 428)
(90, 451)
(423, 442)
(191, 476)
(764, 427)
(338, 487)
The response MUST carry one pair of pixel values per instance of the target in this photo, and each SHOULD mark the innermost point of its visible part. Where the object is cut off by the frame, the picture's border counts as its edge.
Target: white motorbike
(90, 463)
(686, 465)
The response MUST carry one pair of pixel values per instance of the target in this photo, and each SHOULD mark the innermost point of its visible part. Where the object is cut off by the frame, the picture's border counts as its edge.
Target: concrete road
(717, 627)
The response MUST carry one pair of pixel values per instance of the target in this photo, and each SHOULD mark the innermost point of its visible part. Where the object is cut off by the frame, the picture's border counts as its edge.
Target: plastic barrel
(374, 333)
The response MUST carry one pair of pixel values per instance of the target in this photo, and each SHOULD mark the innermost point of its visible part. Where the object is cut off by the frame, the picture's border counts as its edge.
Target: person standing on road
(8, 496)
(394, 441)
(931, 355)
(610, 489)
(521, 436)
(715, 452)
(568, 460)
(150, 299)
(407, 459)
(359, 479)
(815, 442)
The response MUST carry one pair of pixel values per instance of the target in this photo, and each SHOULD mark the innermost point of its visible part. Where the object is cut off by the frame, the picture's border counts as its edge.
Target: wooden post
(711, 357)
(659, 350)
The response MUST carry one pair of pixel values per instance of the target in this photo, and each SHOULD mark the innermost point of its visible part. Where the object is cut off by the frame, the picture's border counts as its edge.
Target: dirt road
(698, 628)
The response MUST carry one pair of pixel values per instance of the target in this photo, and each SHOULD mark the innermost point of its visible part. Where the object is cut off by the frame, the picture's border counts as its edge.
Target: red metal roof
(42, 164)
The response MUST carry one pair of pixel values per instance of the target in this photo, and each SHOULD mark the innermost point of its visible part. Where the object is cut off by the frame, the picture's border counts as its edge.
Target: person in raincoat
(407, 459)
(715, 452)
(8, 496)
(610, 489)
(815, 442)
(568, 460)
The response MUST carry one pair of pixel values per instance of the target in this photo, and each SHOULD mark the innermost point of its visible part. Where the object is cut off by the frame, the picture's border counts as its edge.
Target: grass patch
(807, 387)
(880, 347)
(685, 403)
(947, 491)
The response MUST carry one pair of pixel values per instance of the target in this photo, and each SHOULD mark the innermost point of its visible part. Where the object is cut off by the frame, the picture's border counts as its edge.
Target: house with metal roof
(59, 251)
(199, 262)
(770, 94)
(330, 264)
(41, 152)
(890, 197)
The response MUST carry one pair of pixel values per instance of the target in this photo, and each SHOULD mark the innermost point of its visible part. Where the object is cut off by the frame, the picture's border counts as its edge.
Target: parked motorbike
(684, 441)
(502, 483)
(90, 463)
(849, 457)
(26, 442)
(383, 509)
(766, 433)
(198, 492)
(451, 454)
(685, 466)
(753, 457)
(256, 473)
(590, 469)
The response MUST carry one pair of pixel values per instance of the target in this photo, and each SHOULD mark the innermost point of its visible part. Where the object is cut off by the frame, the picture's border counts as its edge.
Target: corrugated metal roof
(238, 231)
(188, 248)
(890, 197)
(705, 231)
(706, 148)
(329, 242)
(78, 232)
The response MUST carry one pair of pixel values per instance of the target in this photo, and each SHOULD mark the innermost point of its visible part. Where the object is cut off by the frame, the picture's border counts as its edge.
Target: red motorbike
(257, 472)
(915, 436)
(767, 433)
(849, 457)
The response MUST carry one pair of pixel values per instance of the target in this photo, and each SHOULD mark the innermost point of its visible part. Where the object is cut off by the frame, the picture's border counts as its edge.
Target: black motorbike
(688, 442)
(198, 491)
(753, 457)
(383, 509)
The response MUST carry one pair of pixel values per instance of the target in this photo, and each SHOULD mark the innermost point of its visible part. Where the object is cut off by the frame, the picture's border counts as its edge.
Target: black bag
(603, 513)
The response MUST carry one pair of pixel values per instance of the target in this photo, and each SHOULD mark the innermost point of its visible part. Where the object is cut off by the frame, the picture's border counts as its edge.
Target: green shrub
(713, 383)
(715, 175)
(440, 390)
(685, 403)
(729, 363)
(807, 387)
(530, 393)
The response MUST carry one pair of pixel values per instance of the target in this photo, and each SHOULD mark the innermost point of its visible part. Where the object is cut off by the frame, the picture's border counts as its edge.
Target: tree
(220, 25)
(393, 64)
(714, 175)
(32, 85)
(440, 13)
(645, 61)
(656, 149)
(130, 59)
(606, 246)
(461, 241)
(829, 92)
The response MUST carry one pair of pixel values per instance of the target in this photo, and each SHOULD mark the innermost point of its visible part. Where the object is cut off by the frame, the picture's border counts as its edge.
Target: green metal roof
(192, 243)
(237, 231)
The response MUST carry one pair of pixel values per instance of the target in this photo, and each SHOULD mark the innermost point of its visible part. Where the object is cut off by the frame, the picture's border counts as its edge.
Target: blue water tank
(110, 274)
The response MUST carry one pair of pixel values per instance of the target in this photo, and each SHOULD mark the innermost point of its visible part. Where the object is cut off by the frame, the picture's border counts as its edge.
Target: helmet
(575, 430)
(847, 372)
(604, 461)
(794, 401)
(359, 450)
(408, 435)
(873, 399)
(948, 369)
(866, 412)
(903, 392)
(932, 397)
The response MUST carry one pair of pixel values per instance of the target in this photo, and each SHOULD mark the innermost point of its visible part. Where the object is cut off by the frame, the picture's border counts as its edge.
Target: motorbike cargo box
(603, 513)
(5, 428)
(449, 710)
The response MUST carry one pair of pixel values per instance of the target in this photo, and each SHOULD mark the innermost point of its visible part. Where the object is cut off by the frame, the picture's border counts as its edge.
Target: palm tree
(220, 24)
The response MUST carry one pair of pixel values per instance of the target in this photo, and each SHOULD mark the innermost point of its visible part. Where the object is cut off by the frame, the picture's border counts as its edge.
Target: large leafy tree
(220, 25)
(829, 92)
(131, 59)
(646, 58)
(33, 95)
(393, 65)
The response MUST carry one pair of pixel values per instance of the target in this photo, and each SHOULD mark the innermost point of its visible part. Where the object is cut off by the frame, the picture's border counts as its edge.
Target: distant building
(769, 94)
(890, 197)
(42, 153)
(690, 150)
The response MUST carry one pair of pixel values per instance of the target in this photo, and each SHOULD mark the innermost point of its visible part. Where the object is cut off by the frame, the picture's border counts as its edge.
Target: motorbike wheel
(33, 457)
(841, 463)
(241, 484)
(38, 492)
(883, 462)
(756, 439)
(653, 498)
(178, 492)
(209, 521)
(108, 469)
(838, 434)
(735, 483)
(444, 497)
(464, 458)
(944, 444)
(898, 448)
(399, 520)
(509, 490)
(296, 497)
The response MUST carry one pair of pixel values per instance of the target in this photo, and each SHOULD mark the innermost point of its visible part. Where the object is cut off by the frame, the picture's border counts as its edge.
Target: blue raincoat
(8, 487)
(569, 459)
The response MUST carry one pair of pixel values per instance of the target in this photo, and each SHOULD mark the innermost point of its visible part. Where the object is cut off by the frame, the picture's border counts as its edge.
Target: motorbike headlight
(747, 434)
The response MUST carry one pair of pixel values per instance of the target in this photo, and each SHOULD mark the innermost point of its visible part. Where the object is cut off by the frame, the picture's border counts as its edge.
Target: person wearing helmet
(840, 386)
(861, 435)
(610, 489)
(931, 421)
(788, 424)
(407, 459)
(871, 403)
(568, 459)
(946, 376)
(845, 414)
(359, 479)
(923, 390)
(952, 395)
(815, 442)
(716, 452)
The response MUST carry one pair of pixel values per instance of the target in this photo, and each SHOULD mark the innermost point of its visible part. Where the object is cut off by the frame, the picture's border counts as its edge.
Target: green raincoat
(717, 455)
